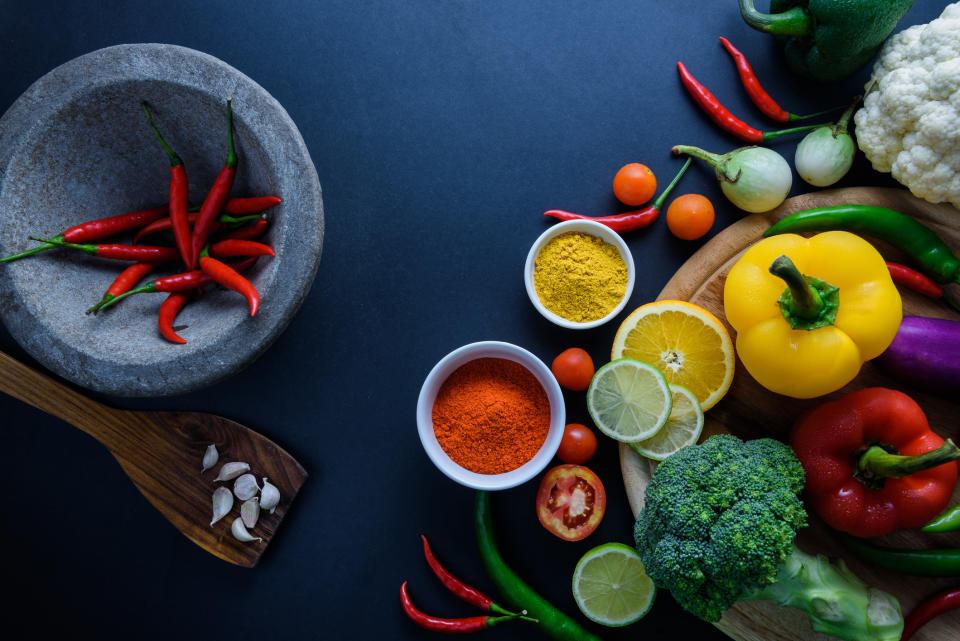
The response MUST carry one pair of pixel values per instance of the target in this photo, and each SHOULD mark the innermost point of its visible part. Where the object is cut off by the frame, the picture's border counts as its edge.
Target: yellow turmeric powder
(579, 277)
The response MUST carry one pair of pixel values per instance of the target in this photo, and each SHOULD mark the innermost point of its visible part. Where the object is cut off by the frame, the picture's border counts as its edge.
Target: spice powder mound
(580, 277)
(491, 415)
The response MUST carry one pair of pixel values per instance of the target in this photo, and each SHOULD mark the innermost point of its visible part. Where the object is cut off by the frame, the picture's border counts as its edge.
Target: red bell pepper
(872, 463)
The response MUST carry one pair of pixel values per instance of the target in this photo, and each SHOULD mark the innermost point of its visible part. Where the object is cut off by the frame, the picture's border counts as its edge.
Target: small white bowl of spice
(490, 415)
(579, 274)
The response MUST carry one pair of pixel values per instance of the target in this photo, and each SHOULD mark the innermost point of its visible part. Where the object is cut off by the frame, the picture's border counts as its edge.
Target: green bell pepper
(828, 39)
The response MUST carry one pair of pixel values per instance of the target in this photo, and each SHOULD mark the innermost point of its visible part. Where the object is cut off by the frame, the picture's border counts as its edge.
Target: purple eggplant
(925, 354)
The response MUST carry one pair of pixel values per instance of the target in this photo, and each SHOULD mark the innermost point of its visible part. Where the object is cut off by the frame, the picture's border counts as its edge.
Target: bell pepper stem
(793, 22)
(807, 302)
(877, 463)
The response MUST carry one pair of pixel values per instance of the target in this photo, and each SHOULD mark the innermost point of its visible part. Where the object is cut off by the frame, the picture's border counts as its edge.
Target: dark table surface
(440, 130)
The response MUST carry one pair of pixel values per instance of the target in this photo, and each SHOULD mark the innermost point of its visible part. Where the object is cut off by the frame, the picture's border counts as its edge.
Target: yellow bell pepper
(810, 336)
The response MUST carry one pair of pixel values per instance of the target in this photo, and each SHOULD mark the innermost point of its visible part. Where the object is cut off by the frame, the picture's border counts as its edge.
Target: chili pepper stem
(231, 152)
(878, 463)
(90, 249)
(794, 22)
(103, 304)
(770, 135)
(30, 252)
(658, 203)
(174, 158)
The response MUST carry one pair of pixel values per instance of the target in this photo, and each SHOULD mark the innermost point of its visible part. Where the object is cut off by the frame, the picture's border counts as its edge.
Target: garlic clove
(231, 471)
(240, 532)
(245, 487)
(210, 458)
(269, 496)
(250, 512)
(222, 502)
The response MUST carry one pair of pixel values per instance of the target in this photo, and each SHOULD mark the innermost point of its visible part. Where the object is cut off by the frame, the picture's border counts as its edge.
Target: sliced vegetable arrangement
(220, 228)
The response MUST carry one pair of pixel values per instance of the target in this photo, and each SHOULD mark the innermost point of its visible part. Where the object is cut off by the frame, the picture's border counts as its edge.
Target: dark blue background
(441, 130)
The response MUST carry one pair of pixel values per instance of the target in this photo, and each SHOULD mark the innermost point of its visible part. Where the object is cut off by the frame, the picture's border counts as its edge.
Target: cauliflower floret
(909, 124)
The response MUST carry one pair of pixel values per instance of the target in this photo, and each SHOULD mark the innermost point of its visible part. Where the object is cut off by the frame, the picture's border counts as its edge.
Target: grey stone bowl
(76, 146)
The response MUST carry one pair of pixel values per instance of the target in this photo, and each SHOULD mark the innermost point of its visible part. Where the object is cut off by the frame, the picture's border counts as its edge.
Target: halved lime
(681, 429)
(629, 400)
(611, 586)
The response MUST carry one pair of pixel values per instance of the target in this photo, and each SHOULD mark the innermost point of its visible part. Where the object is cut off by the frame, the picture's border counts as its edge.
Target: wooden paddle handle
(56, 399)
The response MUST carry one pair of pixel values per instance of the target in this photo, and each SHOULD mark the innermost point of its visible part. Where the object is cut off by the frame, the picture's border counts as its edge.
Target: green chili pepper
(900, 230)
(827, 40)
(915, 562)
(516, 593)
(947, 521)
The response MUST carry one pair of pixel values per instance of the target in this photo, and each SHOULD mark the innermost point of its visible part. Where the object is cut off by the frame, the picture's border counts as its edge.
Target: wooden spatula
(162, 452)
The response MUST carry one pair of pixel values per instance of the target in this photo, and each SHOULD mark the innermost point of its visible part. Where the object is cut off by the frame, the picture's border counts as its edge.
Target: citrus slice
(611, 586)
(681, 429)
(629, 400)
(686, 342)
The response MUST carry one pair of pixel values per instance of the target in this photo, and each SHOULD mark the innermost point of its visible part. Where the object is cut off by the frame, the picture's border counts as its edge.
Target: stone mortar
(76, 146)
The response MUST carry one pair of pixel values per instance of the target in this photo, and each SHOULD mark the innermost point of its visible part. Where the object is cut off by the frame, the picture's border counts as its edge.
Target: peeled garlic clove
(240, 532)
(269, 496)
(222, 502)
(231, 471)
(210, 458)
(246, 487)
(250, 511)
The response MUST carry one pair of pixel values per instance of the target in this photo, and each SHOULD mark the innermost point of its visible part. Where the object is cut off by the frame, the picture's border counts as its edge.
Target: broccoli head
(718, 526)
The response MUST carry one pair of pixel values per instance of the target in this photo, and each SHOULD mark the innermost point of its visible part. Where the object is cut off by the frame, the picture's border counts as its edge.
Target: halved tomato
(571, 502)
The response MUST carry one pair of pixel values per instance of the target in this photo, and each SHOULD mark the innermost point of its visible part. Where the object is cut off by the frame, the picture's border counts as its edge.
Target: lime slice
(611, 586)
(629, 400)
(681, 429)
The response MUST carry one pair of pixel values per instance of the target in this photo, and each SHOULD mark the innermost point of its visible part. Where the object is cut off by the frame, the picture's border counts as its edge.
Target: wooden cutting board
(750, 411)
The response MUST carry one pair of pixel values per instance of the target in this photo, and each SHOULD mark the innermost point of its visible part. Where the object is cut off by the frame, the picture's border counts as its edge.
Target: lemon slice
(611, 586)
(686, 342)
(629, 400)
(681, 429)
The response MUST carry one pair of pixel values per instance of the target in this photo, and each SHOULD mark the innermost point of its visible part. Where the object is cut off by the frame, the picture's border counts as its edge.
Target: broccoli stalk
(837, 601)
(718, 526)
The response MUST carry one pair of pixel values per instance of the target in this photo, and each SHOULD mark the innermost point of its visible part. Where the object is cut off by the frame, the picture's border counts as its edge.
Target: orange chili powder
(491, 415)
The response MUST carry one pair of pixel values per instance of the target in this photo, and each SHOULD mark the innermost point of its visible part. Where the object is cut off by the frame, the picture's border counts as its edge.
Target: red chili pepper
(933, 607)
(873, 465)
(920, 283)
(458, 587)
(164, 224)
(232, 247)
(726, 120)
(136, 253)
(168, 313)
(447, 626)
(757, 94)
(125, 280)
(97, 229)
(247, 232)
(216, 197)
(231, 279)
(179, 189)
(631, 220)
(254, 205)
(176, 283)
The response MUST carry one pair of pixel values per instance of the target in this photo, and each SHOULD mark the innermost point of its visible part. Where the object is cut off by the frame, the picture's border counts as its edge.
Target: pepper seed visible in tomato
(571, 502)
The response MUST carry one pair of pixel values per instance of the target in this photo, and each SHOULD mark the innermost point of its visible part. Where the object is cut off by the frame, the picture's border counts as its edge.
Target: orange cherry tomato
(634, 184)
(578, 445)
(573, 369)
(690, 216)
(571, 502)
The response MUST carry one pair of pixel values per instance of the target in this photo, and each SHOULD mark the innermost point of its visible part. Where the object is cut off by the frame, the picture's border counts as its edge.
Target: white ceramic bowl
(594, 229)
(428, 394)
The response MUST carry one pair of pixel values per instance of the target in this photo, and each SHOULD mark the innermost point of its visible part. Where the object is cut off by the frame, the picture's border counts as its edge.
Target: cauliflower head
(909, 124)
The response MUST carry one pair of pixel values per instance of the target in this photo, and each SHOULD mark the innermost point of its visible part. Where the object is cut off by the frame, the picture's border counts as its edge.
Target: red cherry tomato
(578, 445)
(690, 216)
(634, 184)
(571, 502)
(573, 369)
